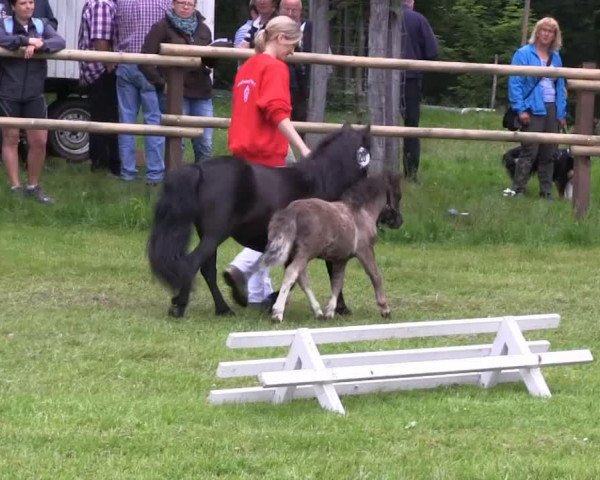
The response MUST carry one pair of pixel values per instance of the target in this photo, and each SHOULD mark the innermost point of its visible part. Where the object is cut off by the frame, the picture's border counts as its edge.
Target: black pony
(227, 197)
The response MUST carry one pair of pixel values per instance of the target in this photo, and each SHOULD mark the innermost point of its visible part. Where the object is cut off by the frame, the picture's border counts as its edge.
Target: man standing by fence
(98, 32)
(418, 43)
(134, 20)
(299, 73)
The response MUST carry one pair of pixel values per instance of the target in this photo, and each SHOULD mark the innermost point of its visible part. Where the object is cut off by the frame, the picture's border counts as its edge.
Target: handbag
(510, 119)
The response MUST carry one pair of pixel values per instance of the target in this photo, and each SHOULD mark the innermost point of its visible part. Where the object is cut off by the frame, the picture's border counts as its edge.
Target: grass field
(97, 382)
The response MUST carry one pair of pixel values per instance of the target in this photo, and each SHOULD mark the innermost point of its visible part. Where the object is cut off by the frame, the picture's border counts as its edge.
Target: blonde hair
(547, 22)
(277, 26)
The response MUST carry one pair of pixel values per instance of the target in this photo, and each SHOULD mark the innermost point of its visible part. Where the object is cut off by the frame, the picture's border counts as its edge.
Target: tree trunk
(319, 15)
(360, 97)
(376, 80)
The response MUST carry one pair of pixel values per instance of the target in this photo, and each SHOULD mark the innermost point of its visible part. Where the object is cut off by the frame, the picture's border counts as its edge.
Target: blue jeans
(133, 91)
(197, 107)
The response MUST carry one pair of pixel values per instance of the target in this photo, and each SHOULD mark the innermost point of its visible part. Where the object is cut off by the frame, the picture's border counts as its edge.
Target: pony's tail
(175, 211)
(282, 234)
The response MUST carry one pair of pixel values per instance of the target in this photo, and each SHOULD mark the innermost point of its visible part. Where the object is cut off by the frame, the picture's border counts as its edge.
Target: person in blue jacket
(540, 103)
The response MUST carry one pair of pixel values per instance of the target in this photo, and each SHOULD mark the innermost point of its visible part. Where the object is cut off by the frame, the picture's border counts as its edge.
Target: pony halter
(363, 157)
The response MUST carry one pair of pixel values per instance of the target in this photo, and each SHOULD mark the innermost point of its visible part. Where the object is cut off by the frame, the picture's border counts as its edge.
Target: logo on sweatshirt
(248, 85)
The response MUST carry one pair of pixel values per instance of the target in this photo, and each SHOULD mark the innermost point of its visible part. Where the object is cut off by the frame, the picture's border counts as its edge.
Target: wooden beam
(98, 127)
(417, 369)
(173, 148)
(395, 131)
(582, 172)
(393, 63)
(110, 57)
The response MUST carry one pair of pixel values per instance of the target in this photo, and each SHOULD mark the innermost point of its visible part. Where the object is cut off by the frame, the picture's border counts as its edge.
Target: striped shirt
(98, 22)
(134, 20)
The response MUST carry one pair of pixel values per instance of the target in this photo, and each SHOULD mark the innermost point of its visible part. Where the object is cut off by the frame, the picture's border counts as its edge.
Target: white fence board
(247, 368)
(284, 338)
(416, 369)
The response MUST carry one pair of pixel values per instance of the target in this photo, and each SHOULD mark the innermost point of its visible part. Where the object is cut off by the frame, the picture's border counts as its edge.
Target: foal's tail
(174, 214)
(282, 235)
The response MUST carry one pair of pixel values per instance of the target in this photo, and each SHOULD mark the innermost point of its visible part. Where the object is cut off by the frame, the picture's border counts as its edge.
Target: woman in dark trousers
(22, 92)
(540, 103)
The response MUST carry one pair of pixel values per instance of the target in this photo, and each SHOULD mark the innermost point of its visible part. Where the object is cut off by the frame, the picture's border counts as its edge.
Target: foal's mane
(365, 191)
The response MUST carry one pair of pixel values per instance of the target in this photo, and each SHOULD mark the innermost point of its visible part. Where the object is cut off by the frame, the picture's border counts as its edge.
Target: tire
(72, 146)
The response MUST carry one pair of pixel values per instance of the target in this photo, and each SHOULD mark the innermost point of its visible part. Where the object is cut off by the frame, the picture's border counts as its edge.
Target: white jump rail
(305, 373)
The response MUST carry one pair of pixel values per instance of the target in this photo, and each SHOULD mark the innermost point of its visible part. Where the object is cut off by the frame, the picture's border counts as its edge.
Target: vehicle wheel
(72, 146)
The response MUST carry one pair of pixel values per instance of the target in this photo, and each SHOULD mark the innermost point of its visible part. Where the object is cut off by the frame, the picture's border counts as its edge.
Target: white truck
(63, 80)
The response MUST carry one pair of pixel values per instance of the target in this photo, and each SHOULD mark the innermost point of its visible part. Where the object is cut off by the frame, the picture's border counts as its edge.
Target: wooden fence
(585, 81)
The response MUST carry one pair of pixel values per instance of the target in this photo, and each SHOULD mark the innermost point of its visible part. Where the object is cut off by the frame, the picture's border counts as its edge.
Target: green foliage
(473, 31)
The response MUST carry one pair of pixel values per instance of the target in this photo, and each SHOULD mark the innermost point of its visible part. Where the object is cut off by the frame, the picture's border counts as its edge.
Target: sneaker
(235, 279)
(39, 195)
(17, 191)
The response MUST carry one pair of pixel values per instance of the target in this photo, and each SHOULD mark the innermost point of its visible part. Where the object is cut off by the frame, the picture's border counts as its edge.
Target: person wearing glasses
(299, 73)
(541, 104)
(261, 130)
(184, 25)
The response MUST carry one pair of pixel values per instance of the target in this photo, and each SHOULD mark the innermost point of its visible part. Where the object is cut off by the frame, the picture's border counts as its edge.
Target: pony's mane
(326, 142)
(364, 191)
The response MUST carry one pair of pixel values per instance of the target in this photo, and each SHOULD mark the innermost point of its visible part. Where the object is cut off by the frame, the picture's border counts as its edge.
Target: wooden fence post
(173, 150)
(584, 125)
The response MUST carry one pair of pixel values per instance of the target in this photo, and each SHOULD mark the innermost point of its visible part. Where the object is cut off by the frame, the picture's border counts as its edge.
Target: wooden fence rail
(588, 141)
(387, 63)
(99, 127)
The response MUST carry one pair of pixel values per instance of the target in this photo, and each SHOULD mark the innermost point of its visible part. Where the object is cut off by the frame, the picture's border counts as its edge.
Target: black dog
(563, 168)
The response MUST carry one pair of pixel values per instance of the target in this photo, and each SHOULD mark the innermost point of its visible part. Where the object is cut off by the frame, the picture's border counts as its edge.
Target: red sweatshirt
(260, 100)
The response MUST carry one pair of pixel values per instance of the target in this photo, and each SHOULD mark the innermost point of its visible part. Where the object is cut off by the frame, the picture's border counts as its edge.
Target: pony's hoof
(386, 313)
(225, 313)
(277, 317)
(176, 311)
(320, 316)
(343, 310)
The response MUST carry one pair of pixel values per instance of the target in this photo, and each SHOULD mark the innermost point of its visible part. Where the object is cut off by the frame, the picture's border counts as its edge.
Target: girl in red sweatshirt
(261, 130)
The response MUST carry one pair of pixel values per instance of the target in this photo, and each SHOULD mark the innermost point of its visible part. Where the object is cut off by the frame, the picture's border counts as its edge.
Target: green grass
(97, 382)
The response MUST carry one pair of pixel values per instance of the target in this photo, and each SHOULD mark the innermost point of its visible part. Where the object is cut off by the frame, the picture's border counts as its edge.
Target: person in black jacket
(22, 92)
(418, 43)
(184, 25)
(299, 73)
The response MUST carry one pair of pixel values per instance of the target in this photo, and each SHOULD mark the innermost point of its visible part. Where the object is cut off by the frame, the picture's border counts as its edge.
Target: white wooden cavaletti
(305, 373)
